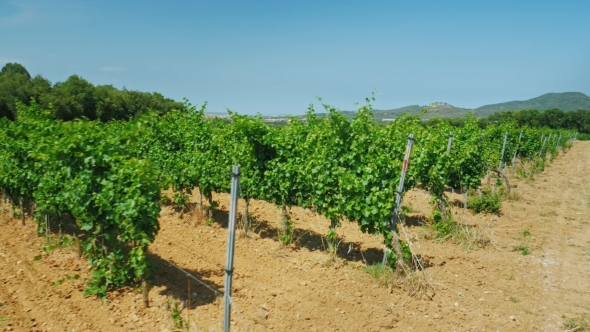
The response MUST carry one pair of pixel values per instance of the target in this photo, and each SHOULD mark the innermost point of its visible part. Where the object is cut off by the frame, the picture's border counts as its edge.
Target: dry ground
(303, 288)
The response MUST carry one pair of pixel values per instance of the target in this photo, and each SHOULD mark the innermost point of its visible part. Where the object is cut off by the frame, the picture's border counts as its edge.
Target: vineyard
(104, 187)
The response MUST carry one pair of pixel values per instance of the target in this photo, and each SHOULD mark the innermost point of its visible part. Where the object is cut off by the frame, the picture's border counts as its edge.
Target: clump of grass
(489, 201)
(468, 236)
(525, 250)
(384, 275)
(548, 214)
(2, 319)
(414, 282)
(514, 299)
(580, 324)
(179, 323)
(526, 233)
(408, 209)
(513, 196)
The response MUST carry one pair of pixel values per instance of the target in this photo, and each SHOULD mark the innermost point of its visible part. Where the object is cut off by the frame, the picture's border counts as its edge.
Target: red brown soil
(303, 288)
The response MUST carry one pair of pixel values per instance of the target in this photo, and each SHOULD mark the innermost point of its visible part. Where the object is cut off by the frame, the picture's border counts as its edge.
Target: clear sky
(276, 57)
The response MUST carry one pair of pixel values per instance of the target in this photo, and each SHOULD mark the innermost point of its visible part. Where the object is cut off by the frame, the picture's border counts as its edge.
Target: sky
(277, 57)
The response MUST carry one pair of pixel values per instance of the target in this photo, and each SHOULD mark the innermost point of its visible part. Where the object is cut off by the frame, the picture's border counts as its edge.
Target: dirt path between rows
(303, 288)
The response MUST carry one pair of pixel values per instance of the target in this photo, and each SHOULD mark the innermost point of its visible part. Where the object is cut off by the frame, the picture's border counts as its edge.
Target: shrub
(489, 201)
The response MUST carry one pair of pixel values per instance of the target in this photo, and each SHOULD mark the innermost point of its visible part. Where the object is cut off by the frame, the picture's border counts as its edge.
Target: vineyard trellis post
(503, 150)
(515, 152)
(398, 200)
(231, 231)
(542, 147)
(449, 144)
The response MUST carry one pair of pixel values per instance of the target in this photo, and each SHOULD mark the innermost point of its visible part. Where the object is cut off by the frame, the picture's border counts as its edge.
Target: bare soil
(302, 287)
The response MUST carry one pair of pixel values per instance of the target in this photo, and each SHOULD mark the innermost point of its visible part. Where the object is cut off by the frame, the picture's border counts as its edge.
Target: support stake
(231, 232)
(398, 200)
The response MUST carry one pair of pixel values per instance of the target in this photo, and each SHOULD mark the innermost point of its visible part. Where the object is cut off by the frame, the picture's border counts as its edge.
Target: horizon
(277, 58)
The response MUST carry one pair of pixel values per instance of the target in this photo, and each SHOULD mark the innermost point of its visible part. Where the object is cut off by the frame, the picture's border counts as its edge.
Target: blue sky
(276, 57)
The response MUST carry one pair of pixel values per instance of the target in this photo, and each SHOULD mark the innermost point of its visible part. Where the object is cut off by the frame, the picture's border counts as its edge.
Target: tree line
(76, 98)
(554, 119)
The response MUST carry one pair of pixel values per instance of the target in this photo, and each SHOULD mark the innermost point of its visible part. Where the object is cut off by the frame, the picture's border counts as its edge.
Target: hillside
(437, 109)
(566, 101)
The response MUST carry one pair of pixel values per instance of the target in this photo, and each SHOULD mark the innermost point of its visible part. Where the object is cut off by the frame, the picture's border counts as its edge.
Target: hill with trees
(566, 101)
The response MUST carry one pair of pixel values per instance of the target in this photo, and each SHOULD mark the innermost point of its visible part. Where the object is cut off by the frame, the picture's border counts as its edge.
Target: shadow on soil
(313, 241)
(175, 282)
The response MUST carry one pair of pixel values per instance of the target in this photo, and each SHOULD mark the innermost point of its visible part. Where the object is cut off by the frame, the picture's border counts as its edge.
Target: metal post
(557, 145)
(231, 231)
(515, 151)
(398, 197)
(449, 144)
(542, 147)
(503, 149)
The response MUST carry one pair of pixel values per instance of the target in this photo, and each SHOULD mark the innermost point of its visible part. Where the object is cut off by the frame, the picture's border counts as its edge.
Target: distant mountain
(438, 109)
(566, 101)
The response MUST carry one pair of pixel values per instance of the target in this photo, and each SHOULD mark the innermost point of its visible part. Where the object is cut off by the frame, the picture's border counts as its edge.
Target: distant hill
(438, 109)
(566, 101)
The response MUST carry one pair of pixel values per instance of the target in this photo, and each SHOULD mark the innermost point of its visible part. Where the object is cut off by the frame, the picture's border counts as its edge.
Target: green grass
(179, 323)
(513, 299)
(384, 275)
(580, 324)
(2, 319)
(525, 250)
(488, 202)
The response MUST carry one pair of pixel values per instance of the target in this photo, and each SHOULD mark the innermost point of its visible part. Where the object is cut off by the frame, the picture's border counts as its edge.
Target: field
(532, 274)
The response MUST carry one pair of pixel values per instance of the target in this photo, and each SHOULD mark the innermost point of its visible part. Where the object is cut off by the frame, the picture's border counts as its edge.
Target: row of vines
(109, 176)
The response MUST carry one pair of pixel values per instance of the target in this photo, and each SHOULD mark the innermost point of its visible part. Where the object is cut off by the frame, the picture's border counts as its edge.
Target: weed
(526, 233)
(580, 324)
(179, 323)
(2, 319)
(489, 201)
(513, 196)
(522, 248)
(61, 281)
(466, 235)
(384, 275)
(52, 243)
(513, 299)
(209, 221)
(286, 234)
(408, 209)
(548, 214)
